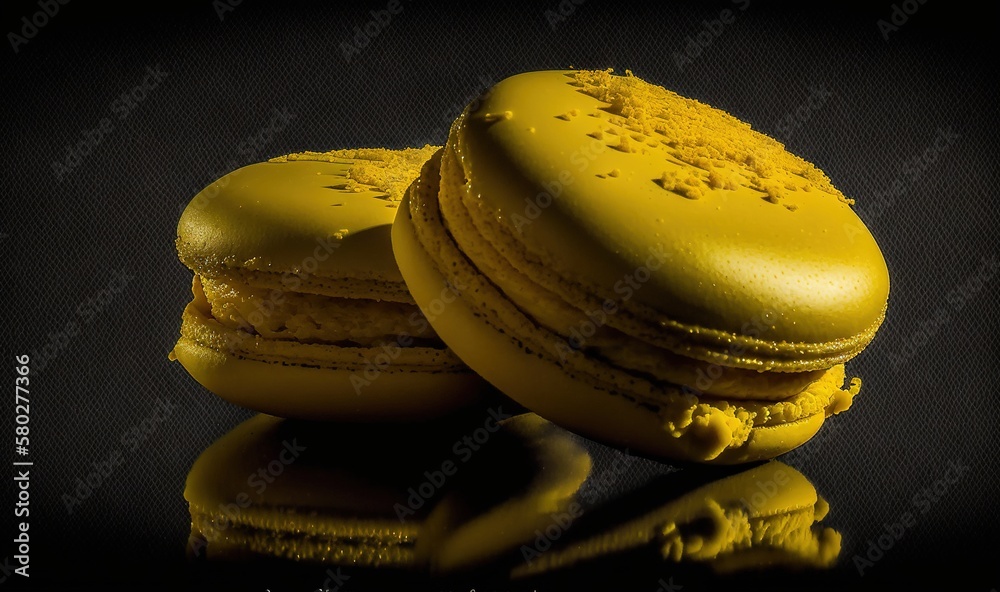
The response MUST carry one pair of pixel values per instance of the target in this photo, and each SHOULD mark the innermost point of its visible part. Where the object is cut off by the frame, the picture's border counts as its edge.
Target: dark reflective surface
(515, 504)
(521, 504)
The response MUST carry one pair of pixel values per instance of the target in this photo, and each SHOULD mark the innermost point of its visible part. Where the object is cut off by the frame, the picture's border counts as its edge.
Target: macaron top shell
(666, 205)
(326, 215)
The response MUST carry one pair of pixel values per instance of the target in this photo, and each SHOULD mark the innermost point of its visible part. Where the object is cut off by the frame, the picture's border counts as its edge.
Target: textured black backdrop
(103, 226)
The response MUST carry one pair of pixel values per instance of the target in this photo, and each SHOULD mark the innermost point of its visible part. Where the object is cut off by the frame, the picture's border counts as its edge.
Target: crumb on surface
(381, 169)
(702, 136)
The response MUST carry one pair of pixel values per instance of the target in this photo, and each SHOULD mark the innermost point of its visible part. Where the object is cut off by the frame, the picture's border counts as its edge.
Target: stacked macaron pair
(632, 265)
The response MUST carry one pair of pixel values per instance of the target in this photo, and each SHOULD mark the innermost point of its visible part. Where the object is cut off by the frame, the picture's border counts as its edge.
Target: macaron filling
(314, 318)
(220, 326)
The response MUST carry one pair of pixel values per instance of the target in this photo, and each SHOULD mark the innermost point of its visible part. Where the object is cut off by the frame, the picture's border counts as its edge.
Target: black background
(930, 378)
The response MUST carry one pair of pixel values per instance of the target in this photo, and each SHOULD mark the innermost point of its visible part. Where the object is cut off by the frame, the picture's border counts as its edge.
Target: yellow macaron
(642, 268)
(299, 309)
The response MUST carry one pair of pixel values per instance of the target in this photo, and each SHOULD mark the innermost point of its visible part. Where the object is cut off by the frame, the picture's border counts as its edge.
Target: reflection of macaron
(428, 497)
(763, 517)
(522, 483)
(286, 490)
(642, 268)
(299, 309)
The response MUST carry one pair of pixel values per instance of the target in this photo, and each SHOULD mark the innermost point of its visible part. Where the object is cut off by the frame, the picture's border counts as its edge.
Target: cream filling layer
(238, 337)
(311, 318)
